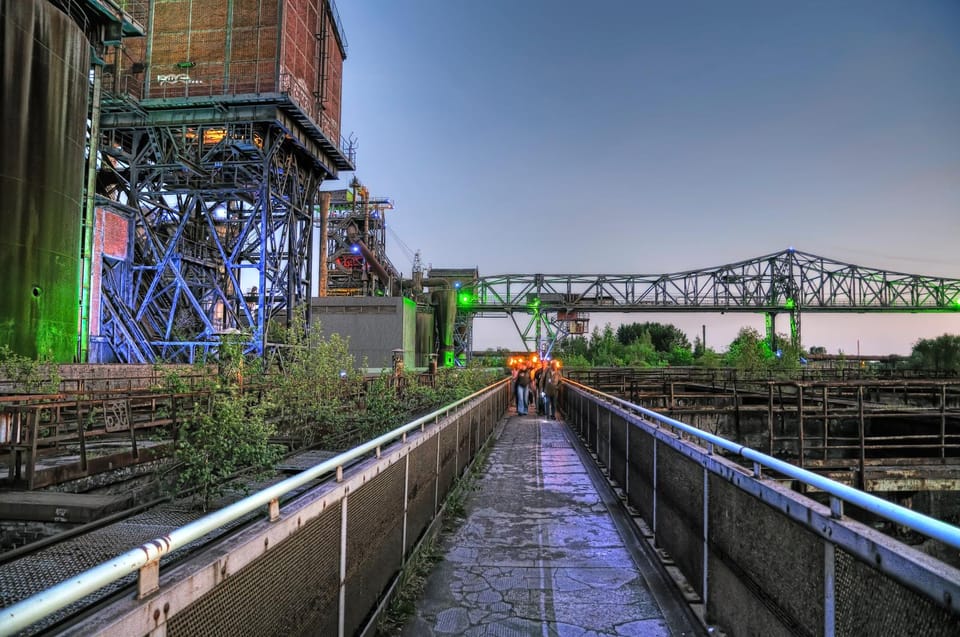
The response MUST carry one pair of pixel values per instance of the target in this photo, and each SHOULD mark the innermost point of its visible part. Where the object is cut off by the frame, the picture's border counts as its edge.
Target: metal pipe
(372, 261)
(19, 616)
(936, 529)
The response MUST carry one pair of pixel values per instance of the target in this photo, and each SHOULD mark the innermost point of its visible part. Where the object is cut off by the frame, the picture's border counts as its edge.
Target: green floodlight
(790, 304)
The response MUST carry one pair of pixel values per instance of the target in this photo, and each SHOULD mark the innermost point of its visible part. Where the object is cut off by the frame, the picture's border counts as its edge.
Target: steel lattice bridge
(788, 282)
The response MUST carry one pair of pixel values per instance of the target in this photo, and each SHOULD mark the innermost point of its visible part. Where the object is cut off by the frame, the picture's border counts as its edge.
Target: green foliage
(218, 438)
(604, 348)
(634, 345)
(316, 392)
(748, 351)
(663, 338)
(28, 375)
(384, 408)
(941, 354)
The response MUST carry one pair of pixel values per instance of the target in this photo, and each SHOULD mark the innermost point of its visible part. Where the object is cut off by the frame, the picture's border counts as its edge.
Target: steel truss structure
(219, 200)
(357, 262)
(788, 282)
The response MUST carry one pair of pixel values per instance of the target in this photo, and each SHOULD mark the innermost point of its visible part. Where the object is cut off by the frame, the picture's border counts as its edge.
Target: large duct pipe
(373, 263)
(445, 302)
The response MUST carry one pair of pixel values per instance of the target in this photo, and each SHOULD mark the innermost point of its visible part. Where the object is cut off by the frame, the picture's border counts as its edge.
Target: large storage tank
(45, 59)
(445, 314)
(425, 337)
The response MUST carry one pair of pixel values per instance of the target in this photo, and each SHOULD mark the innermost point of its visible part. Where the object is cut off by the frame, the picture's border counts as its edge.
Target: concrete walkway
(541, 554)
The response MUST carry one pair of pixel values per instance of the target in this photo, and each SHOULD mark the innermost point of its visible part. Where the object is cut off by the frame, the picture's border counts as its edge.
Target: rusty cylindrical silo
(45, 58)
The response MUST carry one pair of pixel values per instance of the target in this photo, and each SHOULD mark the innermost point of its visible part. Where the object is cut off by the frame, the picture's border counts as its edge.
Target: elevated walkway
(546, 549)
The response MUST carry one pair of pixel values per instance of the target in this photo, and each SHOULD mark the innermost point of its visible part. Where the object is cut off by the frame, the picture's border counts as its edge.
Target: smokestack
(324, 216)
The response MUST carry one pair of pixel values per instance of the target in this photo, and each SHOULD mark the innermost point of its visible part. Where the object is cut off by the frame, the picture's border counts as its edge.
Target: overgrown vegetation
(940, 355)
(658, 345)
(28, 375)
(313, 394)
(220, 436)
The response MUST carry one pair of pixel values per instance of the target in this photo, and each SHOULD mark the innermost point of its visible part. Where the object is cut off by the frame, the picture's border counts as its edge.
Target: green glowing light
(464, 299)
(790, 304)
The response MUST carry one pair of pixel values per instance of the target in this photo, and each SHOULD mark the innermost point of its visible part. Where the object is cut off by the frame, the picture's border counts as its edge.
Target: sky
(640, 137)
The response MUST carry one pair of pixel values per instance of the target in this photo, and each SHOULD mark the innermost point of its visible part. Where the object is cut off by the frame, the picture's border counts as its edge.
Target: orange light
(214, 135)
(534, 358)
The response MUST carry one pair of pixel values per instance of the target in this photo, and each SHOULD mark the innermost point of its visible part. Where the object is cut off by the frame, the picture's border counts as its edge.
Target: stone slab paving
(540, 553)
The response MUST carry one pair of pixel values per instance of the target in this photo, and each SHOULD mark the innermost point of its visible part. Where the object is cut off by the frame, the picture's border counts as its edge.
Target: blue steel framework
(783, 282)
(219, 195)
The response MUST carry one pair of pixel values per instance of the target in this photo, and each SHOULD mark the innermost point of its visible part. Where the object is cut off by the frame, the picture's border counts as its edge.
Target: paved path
(540, 552)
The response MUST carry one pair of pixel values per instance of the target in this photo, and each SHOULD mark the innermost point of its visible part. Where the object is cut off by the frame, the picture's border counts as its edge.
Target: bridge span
(686, 533)
(787, 282)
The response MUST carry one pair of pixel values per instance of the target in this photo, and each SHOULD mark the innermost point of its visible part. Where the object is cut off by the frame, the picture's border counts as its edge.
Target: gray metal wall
(376, 326)
(764, 559)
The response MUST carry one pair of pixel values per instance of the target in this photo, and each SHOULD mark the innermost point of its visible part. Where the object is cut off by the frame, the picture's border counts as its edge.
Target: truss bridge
(787, 282)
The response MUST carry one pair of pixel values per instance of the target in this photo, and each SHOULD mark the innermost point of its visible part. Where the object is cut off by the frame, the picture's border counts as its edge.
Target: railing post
(826, 421)
(706, 531)
(770, 419)
(801, 437)
(406, 490)
(861, 479)
(341, 620)
(626, 470)
(654, 512)
(943, 421)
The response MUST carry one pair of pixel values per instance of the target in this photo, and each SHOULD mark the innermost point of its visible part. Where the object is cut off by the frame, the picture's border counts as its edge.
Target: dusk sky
(636, 137)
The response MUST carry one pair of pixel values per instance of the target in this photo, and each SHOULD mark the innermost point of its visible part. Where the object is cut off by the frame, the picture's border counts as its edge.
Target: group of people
(535, 384)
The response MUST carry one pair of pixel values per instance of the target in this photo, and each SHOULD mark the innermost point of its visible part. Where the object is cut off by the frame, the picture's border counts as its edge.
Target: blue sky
(618, 136)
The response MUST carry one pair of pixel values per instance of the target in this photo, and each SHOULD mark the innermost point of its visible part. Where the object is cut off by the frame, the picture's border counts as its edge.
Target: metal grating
(374, 542)
(640, 469)
(421, 490)
(890, 608)
(779, 562)
(448, 465)
(463, 449)
(618, 460)
(291, 590)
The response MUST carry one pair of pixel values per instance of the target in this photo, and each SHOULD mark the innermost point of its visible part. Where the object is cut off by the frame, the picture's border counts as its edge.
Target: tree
(220, 437)
(748, 351)
(664, 338)
(605, 350)
(941, 354)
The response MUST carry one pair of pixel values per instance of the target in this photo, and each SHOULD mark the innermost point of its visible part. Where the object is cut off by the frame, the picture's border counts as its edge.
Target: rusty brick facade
(213, 48)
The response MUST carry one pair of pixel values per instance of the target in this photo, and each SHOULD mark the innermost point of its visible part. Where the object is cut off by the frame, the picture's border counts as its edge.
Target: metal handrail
(28, 611)
(930, 527)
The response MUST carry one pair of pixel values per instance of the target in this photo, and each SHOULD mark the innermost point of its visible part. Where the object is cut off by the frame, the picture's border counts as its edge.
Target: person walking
(523, 383)
(551, 387)
(548, 384)
(538, 386)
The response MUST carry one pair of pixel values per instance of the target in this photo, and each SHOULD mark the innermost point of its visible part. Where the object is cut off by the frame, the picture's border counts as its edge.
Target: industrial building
(173, 192)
